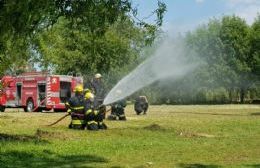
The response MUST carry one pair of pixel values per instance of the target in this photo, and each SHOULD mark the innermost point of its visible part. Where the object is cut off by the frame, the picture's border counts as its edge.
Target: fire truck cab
(37, 91)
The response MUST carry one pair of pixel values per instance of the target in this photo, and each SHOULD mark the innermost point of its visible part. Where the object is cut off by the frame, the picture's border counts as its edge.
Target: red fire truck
(37, 91)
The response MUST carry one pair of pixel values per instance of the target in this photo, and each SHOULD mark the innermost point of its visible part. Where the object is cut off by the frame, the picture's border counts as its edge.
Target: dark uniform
(100, 117)
(91, 116)
(94, 118)
(76, 107)
(141, 105)
(118, 110)
(99, 92)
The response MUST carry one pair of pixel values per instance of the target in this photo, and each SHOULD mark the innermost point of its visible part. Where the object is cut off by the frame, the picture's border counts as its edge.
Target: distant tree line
(230, 51)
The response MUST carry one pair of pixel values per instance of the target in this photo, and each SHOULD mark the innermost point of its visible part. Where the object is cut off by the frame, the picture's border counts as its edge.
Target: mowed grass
(168, 136)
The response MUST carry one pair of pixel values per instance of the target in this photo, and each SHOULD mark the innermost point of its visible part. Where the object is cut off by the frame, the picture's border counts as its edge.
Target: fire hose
(60, 119)
(39, 105)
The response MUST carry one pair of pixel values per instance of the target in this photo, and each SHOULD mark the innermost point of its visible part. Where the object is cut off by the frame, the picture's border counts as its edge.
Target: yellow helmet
(78, 88)
(89, 96)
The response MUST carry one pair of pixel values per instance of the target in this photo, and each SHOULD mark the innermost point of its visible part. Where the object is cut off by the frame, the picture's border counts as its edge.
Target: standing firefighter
(141, 105)
(98, 90)
(94, 118)
(76, 108)
(118, 109)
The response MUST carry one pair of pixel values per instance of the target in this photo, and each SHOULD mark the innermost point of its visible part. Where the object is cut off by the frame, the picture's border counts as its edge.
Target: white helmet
(98, 75)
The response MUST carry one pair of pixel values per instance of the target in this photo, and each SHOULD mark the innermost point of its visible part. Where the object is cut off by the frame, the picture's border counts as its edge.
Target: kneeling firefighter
(141, 105)
(94, 118)
(76, 108)
(118, 108)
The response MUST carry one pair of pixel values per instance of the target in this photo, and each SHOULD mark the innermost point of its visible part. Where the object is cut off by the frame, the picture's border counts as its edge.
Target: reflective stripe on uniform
(77, 122)
(95, 112)
(88, 111)
(122, 115)
(77, 108)
(91, 122)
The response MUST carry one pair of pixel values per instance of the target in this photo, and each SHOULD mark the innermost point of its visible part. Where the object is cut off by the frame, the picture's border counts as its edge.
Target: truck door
(10, 94)
(41, 88)
(18, 93)
(65, 91)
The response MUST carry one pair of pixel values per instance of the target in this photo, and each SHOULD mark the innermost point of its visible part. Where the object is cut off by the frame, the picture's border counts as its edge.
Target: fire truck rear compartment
(41, 91)
(65, 91)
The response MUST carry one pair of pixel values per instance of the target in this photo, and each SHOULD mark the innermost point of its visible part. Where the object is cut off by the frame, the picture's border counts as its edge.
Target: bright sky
(184, 15)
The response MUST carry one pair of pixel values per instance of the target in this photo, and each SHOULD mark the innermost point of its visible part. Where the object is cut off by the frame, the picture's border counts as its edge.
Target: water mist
(170, 60)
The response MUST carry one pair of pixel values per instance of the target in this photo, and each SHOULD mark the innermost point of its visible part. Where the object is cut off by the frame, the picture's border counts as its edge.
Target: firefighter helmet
(78, 88)
(98, 75)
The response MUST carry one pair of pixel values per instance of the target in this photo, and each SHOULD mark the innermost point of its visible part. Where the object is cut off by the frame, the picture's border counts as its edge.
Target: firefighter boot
(111, 117)
(92, 126)
(70, 126)
(102, 125)
(122, 117)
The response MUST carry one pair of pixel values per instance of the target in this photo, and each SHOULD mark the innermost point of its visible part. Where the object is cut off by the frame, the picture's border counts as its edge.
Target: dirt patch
(154, 127)
(255, 114)
(195, 135)
(46, 134)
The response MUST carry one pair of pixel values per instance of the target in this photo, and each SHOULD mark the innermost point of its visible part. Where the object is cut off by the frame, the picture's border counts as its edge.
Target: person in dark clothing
(141, 105)
(76, 108)
(98, 90)
(118, 110)
(100, 117)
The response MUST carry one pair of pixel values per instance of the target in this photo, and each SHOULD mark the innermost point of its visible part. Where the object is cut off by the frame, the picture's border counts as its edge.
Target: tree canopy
(82, 30)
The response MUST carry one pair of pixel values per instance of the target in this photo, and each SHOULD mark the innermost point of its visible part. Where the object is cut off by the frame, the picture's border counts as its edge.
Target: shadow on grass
(35, 159)
(198, 165)
(20, 138)
(154, 127)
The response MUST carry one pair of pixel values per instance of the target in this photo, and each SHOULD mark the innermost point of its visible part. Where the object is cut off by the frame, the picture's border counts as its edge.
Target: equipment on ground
(37, 91)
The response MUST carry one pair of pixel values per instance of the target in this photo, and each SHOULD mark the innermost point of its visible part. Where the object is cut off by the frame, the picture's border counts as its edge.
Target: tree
(25, 19)
(254, 58)
(235, 35)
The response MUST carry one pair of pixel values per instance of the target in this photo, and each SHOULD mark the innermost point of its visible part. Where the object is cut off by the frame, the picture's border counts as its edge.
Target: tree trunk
(230, 95)
(242, 95)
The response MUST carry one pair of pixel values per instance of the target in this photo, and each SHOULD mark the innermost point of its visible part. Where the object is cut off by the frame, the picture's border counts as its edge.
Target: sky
(185, 15)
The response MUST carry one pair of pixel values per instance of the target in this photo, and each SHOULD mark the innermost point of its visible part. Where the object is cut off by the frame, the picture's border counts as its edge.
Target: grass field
(168, 136)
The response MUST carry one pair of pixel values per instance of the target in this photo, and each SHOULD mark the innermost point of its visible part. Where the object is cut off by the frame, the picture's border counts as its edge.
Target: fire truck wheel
(2, 109)
(29, 106)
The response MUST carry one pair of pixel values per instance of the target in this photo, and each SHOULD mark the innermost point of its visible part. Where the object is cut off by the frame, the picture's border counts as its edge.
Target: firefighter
(76, 108)
(141, 105)
(90, 113)
(98, 90)
(118, 109)
(94, 118)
